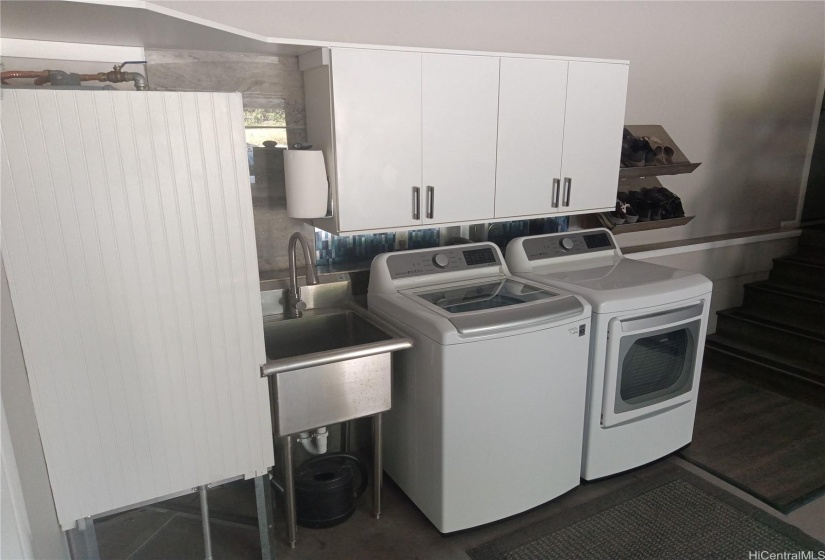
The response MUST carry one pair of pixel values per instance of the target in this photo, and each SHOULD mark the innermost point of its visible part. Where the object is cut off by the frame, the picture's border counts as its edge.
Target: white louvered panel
(129, 244)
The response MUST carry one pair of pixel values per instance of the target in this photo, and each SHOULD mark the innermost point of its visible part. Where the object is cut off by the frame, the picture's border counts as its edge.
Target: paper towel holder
(307, 187)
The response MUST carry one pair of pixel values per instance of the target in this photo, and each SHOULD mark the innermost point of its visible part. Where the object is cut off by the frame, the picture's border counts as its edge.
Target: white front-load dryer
(648, 337)
(488, 406)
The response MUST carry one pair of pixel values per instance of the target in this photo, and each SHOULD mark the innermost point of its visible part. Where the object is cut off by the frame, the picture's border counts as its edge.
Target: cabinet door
(377, 107)
(530, 135)
(594, 119)
(460, 106)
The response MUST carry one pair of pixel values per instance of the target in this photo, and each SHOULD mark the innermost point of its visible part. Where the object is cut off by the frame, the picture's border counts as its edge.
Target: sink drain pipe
(317, 447)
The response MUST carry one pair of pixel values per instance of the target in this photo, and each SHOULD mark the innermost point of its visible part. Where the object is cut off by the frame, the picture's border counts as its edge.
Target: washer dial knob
(441, 260)
(566, 243)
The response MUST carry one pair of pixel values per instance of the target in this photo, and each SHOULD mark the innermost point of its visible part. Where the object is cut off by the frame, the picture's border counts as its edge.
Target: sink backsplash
(340, 249)
(359, 250)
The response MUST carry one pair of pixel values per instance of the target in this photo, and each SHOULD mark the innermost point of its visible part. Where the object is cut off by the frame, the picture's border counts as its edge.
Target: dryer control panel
(442, 259)
(569, 243)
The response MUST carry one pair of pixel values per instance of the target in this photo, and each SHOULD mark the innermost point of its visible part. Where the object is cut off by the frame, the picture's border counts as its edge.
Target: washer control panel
(566, 244)
(442, 259)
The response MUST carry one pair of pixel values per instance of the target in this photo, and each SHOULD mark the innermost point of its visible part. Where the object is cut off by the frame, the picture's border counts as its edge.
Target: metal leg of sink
(83, 540)
(345, 437)
(207, 538)
(378, 466)
(266, 523)
(289, 492)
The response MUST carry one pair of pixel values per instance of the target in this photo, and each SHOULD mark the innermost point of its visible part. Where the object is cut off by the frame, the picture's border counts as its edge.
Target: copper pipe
(42, 75)
(114, 76)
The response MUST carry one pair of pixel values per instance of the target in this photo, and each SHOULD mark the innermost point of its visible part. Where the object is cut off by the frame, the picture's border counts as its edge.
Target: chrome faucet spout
(294, 305)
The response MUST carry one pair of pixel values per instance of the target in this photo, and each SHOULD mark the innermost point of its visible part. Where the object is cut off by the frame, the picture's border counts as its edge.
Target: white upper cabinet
(377, 118)
(593, 125)
(459, 103)
(530, 136)
(560, 131)
(415, 137)
(423, 138)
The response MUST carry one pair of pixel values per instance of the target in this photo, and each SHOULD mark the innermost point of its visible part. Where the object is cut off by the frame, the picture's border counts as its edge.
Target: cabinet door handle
(566, 200)
(416, 202)
(430, 201)
(556, 188)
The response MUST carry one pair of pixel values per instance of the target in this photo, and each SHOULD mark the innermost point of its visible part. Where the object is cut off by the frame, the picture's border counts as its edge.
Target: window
(264, 119)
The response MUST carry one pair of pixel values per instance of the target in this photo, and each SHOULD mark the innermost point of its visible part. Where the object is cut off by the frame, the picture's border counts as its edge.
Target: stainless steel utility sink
(320, 331)
(329, 366)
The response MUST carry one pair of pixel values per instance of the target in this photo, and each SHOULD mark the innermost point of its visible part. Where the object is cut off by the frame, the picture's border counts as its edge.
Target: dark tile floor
(172, 530)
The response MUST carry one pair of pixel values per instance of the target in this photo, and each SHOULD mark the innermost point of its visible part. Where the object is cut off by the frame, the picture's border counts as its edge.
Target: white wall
(728, 266)
(15, 534)
(48, 541)
(734, 83)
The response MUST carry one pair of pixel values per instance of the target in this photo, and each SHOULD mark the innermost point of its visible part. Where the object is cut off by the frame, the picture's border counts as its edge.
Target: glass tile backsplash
(347, 249)
(350, 249)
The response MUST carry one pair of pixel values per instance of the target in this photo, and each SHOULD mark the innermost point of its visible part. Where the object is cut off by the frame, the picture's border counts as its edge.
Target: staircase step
(789, 377)
(786, 307)
(782, 340)
(810, 255)
(813, 237)
(795, 272)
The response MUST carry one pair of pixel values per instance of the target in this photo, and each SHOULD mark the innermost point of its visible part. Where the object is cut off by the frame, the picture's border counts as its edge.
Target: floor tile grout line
(217, 521)
(149, 539)
(728, 487)
(212, 520)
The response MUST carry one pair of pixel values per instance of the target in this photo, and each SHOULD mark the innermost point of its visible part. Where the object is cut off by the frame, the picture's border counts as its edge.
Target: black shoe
(640, 205)
(635, 151)
(632, 151)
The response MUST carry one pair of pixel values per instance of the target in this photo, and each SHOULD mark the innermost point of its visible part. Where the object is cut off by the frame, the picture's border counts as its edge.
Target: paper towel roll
(306, 184)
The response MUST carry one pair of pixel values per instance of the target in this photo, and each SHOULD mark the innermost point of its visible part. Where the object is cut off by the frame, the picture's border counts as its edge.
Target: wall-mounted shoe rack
(635, 178)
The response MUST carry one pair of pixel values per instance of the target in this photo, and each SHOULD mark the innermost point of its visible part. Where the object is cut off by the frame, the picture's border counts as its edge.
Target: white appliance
(488, 406)
(648, 335)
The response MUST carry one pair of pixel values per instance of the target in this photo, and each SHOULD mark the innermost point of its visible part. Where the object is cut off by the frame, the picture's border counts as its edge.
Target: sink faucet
(294, 305)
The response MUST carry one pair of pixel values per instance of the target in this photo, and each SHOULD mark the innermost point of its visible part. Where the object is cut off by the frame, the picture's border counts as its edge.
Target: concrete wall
(734, 83)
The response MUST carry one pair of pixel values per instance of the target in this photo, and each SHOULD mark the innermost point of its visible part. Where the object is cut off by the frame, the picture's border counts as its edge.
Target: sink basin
(327, 335)
(324, 332)
(329, 366)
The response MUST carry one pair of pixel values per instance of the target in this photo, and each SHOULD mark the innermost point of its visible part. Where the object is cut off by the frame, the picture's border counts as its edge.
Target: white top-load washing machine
(647, 342)
(488, 406)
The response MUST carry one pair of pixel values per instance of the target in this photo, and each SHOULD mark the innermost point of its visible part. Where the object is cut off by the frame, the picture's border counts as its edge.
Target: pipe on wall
(60, 78)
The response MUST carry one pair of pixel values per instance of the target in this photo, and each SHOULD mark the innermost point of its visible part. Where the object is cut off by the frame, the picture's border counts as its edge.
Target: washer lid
(485, 306)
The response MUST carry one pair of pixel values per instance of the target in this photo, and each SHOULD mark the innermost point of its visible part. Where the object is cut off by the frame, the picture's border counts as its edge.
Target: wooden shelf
(642, 226)
(680, 164)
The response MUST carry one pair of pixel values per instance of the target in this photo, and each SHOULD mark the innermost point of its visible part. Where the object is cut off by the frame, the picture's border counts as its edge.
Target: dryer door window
(651, 363)
(655, 367)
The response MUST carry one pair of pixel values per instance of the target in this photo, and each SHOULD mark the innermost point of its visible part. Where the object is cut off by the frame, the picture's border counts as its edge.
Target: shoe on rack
(673, 207)
(617, 217)
(640, 204)
(630, 215)
(625, 210)
(663, 154)
(633, 152)
(614, 218)
(658, 199)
